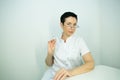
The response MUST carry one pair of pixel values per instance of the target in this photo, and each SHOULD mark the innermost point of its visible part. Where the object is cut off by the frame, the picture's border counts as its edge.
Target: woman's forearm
(82, 69)
(49, 60)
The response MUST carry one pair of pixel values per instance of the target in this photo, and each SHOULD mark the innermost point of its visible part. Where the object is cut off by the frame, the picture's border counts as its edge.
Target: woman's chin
(70, 34)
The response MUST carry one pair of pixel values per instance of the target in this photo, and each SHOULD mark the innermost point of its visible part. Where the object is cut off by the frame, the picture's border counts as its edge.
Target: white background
(27, 25)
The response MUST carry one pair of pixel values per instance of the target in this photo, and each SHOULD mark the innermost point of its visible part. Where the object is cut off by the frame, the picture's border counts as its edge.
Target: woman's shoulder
(77, 37)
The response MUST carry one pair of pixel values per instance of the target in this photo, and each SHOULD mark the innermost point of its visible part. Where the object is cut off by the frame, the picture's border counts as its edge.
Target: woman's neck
(64, 37)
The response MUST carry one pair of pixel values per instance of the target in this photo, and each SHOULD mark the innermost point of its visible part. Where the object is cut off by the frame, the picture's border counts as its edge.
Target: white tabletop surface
(100, 72)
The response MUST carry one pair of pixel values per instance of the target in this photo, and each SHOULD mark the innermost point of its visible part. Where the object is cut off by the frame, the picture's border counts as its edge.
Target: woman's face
(69, 26)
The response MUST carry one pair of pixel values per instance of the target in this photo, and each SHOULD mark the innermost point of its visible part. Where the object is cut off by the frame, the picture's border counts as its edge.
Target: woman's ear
(61, 24)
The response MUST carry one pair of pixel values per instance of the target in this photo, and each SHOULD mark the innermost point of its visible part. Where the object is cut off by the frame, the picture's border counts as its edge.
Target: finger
(63, 77)
(53, 40)
(68, 74)
(58, 73)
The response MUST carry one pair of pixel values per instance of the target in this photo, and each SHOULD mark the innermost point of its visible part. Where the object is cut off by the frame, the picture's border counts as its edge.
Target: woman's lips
(70, 31)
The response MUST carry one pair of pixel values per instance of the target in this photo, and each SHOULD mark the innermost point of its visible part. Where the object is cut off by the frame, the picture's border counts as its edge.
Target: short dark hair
(67, 14)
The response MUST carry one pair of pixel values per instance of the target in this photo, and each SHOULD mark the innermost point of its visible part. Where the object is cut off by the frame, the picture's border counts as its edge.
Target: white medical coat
(68, 54)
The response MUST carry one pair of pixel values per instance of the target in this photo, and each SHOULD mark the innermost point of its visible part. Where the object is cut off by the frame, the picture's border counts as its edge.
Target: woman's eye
(68, 23)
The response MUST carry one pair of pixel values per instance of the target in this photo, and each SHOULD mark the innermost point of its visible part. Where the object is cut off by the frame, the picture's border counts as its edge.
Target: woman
(66, 53)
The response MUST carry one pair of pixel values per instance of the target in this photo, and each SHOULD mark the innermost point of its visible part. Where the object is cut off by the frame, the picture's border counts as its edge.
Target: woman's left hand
(62, 74)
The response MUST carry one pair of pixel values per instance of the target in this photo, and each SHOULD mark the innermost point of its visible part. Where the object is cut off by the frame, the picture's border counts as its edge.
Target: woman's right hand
(51, 46)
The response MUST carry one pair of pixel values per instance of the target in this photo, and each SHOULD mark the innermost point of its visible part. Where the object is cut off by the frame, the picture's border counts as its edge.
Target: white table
(101, 72)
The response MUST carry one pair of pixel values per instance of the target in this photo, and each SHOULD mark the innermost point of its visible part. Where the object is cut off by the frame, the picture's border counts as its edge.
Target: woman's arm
(86, 67)
(51, 47)
(49, 60)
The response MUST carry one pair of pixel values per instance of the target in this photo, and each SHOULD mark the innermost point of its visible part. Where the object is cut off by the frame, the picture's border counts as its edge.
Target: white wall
(23, 38)
(27, 25)
(110, 32)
